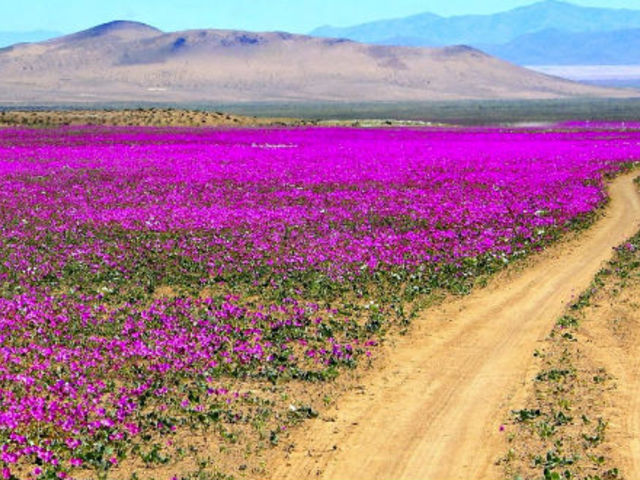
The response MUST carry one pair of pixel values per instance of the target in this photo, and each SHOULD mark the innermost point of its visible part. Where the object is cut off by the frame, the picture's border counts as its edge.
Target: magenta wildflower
(141, 268)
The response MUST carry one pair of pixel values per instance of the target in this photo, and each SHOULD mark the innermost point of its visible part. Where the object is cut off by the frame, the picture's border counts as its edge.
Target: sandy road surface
(434, 411)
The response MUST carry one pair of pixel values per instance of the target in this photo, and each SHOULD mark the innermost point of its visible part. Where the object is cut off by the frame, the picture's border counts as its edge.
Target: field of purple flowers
(144, 271)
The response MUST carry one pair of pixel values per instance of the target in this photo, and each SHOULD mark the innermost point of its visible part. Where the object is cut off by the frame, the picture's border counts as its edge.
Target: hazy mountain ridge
(11, 38)
(120, 29)
(554, 47)
(510, 34)
(129, 61)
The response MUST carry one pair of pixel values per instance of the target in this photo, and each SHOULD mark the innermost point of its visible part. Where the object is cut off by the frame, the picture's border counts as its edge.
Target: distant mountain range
(546, 33)
(555, 47)
(134, 62)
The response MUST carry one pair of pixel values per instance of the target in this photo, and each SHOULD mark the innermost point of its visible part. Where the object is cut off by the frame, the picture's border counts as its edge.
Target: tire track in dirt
(433, 411)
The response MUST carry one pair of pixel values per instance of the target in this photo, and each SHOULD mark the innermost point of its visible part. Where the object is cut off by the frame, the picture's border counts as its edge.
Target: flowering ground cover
(161, 281)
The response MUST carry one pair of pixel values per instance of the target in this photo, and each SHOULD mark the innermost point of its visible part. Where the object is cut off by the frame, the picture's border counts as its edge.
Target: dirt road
(434, 411)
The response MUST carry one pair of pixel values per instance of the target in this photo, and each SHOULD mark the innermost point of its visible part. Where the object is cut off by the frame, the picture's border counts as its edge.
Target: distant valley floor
(468, 112)
(602, 75)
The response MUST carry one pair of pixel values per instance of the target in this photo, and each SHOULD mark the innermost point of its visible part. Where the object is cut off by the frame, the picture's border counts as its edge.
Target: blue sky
(298, 16)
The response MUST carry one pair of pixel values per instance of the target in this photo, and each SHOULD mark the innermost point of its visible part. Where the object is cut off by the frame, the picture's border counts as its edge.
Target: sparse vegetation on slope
(576, 422)
(154, 117)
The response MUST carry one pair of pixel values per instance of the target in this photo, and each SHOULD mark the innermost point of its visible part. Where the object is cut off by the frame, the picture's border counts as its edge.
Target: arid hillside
(127, 61)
